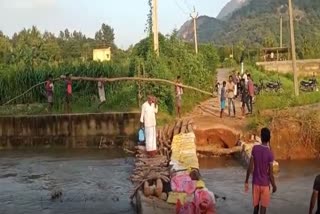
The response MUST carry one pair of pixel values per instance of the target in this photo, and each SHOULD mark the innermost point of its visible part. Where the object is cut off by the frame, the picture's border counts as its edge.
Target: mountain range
(256, 23)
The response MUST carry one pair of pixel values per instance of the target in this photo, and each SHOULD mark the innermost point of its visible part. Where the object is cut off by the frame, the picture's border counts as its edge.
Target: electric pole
(194, 16)
(155, 28)
(281, 31)
(293, 50)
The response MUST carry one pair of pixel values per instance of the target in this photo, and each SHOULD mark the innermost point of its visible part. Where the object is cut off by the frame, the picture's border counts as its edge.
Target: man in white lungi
(148, 120)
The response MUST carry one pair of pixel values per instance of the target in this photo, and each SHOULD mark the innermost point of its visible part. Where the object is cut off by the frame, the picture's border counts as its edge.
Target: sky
(127, 17)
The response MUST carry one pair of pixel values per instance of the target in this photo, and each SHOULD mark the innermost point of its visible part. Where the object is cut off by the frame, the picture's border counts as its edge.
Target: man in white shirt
(101, 91)
(179, 93)
(148, 121)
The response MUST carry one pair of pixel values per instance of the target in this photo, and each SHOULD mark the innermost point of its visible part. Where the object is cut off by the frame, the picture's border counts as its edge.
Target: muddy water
(90, 181)
(97, 182)
(225, 177)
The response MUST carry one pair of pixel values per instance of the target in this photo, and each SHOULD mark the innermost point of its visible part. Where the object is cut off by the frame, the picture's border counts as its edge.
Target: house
(102, 55)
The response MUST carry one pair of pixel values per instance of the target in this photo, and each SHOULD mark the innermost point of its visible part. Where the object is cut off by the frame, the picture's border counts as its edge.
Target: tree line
(30, 47)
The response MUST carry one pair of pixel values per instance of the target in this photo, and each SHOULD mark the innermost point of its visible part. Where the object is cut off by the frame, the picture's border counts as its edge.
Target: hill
(256, 24)
(208, 29)
(230, 7)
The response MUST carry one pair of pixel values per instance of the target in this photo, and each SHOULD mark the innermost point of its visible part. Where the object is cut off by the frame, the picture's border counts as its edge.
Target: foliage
(30, 56)
(31, 48)
(280, 100)
(176, 58)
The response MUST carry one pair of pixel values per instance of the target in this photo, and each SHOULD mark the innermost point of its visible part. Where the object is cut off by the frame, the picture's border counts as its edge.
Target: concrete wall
(73, 131)
(305, 67)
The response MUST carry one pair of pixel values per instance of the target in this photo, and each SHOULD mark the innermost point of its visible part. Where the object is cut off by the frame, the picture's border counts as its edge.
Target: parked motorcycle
(309, 85)
(270, 86)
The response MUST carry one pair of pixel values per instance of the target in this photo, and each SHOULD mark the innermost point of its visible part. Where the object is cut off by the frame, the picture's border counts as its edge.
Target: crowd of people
(261, 161)
(236, 86)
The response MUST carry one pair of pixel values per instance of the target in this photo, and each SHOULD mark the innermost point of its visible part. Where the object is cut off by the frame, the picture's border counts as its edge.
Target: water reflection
(90, 182)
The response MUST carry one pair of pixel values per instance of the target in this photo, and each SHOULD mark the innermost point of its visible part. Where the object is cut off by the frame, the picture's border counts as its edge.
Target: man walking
(261, 165)
(179, 93)
(230, 94)
(101, 91)
(315, 196)
(251, 93)
(148, 121)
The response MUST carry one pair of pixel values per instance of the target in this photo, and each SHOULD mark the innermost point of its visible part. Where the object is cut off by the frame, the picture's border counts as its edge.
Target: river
(97, 182)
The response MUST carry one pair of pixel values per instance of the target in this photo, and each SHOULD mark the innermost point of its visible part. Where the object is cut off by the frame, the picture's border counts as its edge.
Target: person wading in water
(148, 121)
(179, 93)
(261, 165)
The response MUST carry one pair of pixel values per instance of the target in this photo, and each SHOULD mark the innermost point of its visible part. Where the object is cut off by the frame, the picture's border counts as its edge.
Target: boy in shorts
(261, 166)
(223, 98)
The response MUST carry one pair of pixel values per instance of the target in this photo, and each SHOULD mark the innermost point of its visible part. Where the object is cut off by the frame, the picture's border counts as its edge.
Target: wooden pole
(155, 28)
(194, 17)
(293, 51)
(281, 44)
(138, 79)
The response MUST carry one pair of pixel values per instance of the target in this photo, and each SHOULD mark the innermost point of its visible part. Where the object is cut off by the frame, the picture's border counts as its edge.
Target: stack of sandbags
(184, 155)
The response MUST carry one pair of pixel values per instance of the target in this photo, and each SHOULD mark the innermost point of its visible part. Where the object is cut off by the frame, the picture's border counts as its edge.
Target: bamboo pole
(94, 79)
(140, 79)
(27, 91)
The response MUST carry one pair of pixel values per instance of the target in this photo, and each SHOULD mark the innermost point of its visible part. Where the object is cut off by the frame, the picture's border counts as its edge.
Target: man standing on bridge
(148, 121)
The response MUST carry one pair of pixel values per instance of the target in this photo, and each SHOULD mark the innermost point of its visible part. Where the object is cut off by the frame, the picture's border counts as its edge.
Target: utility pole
(293, 49)
(194, 16)
(155, 28)
(281, 31)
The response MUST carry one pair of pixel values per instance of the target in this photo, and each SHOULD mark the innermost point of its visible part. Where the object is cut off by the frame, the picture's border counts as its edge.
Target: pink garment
(187, 208)
(183, 183)
(203, 202)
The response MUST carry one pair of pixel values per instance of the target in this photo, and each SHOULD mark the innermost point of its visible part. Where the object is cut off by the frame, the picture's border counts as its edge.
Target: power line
(188, 5)
(180, 8)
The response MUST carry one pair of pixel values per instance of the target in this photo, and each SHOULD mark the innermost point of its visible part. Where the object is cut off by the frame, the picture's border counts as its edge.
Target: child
(223, 98)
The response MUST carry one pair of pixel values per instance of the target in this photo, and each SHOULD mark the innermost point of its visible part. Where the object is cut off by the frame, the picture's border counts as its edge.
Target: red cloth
(69, 86)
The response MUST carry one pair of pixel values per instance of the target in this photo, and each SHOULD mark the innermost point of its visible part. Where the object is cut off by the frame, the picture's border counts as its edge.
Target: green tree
(105, 36)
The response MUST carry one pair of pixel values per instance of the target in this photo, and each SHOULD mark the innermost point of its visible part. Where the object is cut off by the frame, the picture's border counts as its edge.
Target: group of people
(49, 88)
(261, 162)
(236, 86)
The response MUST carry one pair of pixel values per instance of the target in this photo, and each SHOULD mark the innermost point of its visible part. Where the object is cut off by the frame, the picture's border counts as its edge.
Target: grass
(277, 101)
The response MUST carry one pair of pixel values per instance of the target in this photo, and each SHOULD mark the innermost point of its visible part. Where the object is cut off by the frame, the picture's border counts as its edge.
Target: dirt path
(210, 128)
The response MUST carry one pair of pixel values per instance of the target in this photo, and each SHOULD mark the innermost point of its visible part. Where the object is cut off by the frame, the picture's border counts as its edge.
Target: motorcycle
(309, 85)
(270, 86)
